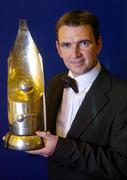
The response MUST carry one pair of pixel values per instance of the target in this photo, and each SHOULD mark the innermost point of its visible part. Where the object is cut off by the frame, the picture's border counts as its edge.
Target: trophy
(26, 95)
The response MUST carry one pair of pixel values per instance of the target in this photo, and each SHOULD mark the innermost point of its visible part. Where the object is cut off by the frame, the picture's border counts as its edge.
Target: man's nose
(76, 52)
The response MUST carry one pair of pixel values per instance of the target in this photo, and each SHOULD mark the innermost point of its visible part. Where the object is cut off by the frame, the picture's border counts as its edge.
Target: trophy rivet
(20, 118)
(26, 85)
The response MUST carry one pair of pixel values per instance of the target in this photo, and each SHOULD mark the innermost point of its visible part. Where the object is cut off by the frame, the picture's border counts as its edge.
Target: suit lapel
(94, 102)
(54, 98)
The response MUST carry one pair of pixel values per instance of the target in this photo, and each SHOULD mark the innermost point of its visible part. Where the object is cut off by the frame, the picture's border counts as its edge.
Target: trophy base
(24, 143)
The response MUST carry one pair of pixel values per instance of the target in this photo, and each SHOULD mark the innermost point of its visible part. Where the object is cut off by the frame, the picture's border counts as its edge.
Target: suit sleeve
(109, 161)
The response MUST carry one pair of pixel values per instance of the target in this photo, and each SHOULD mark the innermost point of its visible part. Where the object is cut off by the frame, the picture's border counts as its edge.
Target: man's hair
(77, 18)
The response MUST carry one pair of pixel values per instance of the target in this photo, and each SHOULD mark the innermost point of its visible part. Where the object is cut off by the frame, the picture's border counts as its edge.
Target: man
(87, 136)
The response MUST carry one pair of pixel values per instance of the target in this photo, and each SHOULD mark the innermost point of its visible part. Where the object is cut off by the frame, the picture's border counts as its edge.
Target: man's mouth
(77, 62)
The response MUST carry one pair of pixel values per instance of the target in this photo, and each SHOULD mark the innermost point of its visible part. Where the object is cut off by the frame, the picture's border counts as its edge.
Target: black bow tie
(69, 82)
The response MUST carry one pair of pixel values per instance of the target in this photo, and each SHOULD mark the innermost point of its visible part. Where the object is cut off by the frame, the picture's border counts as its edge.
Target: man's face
(78, 48)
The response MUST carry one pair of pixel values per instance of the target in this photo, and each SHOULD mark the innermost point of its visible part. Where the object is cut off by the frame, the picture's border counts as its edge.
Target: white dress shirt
(71, 101)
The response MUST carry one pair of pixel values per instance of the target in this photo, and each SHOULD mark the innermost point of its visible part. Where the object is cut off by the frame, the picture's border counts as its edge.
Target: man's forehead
(75, 36)
(75, 28)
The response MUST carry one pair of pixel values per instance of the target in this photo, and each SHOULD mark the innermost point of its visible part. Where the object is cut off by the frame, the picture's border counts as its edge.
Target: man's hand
(50, 142)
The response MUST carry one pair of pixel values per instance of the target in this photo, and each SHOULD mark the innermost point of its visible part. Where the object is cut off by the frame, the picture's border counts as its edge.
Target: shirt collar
(85, 81)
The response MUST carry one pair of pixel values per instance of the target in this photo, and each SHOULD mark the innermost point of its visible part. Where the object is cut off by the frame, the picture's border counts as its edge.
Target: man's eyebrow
(85, 40)
(82, 40)
(65, 43)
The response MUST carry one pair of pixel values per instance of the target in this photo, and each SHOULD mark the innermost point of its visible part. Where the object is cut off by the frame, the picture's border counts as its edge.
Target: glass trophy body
(26, 95)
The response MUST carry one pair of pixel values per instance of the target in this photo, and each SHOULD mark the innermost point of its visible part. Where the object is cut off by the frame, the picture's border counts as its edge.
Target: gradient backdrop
(41, 17)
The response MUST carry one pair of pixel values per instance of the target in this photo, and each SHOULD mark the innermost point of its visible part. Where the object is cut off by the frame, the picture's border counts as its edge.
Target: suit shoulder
(57, 77)
(115, 79)
(119, 86)
(56, 80)
(108, 81)
(119, 82)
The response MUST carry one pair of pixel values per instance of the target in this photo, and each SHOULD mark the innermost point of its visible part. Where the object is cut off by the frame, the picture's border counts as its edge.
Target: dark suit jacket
(96, 144)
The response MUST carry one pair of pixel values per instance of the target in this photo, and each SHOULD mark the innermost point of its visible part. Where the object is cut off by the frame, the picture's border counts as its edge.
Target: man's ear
(58, 49)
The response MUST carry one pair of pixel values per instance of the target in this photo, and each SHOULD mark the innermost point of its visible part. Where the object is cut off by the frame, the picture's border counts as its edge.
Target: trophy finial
(23, 25)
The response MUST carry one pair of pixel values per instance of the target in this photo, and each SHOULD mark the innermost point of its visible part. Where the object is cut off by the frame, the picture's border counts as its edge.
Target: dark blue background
(41, 17)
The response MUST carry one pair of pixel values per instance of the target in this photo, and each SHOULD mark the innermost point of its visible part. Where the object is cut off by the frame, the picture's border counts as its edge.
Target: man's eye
(65, 45)
(84, 44)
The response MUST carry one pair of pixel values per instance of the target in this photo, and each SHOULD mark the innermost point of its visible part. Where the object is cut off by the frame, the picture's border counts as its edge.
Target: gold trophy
(26, 95)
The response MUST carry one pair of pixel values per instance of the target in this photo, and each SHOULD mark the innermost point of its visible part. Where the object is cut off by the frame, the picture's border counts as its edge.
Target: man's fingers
(48, 132)
(34, 151)
(42, 134)
(50, 142)
(43, 152)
